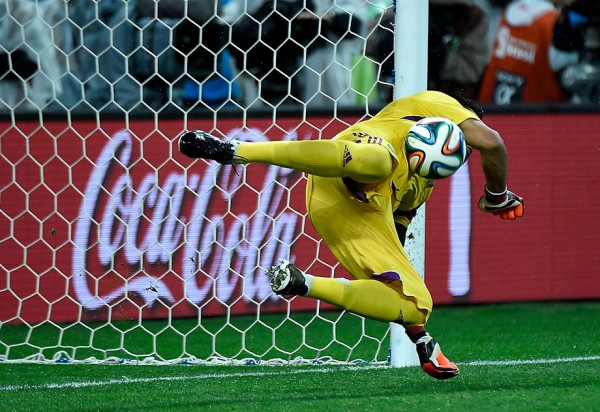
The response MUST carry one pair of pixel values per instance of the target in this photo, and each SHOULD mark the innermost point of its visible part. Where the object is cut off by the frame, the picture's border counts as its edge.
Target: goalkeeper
(360, 197)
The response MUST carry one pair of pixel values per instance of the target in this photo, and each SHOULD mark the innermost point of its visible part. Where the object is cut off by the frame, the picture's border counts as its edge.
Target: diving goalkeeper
(360, 197)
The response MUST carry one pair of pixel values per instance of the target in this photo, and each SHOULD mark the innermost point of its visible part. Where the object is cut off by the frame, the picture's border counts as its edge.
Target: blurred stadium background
(116, 249)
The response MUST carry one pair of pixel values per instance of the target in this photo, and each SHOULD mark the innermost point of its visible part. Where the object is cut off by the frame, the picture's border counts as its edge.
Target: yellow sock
(365, 163)
(370, 298)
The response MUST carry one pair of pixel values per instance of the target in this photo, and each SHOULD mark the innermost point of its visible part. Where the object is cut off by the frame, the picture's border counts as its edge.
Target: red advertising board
(550, 254)
(97, 223)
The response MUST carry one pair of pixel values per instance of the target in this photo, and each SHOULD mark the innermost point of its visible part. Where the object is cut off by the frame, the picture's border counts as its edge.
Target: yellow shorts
(363, 238)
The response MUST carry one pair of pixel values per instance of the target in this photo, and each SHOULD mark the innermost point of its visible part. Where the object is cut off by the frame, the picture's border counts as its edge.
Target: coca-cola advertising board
(107, 223)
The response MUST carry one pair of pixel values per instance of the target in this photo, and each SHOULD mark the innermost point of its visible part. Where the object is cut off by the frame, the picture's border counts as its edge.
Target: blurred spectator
(103, 38)
(457, 56)
(494, 10)
(29, 57)
(267, 43)
(458, 52)
(380, 48)
(327, 74)
(183, 55)
(297, 52)
(575, 50)
(154, 64)
(231, 12)
(519, 69)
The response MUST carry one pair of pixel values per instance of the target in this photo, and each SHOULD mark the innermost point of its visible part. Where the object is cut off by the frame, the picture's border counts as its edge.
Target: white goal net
(115, 247)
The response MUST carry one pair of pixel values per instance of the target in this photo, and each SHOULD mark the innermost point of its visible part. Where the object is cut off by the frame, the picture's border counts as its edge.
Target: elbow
(492, 143)
(496, 141)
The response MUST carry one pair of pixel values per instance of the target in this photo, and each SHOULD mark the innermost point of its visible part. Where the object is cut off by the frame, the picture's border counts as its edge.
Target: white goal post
(411, 45)
(115, 247)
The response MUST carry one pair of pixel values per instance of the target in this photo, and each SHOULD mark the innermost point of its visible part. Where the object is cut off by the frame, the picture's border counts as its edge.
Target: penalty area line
(125, 380)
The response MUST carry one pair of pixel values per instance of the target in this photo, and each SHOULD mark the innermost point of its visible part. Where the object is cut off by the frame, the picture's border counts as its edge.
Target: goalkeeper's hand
(507, 205)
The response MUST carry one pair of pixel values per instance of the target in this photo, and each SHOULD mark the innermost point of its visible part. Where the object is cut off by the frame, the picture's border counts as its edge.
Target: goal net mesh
(115, 247)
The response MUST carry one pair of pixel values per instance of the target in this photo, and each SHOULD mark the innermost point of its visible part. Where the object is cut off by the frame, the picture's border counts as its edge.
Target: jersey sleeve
(357, 134)
(361, 134)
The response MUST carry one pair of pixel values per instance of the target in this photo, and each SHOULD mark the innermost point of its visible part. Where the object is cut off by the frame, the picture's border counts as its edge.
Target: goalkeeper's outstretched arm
(497, 199)
(494, 158)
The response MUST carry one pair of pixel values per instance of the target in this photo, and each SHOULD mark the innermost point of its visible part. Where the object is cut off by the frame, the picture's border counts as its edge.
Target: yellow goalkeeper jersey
(389, 129)
(357, 221)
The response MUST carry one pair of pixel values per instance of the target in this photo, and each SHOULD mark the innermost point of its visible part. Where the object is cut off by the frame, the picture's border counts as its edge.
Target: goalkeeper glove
(507, 205)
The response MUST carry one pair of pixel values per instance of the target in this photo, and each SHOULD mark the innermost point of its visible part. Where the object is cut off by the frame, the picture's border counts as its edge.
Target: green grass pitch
(518, 357)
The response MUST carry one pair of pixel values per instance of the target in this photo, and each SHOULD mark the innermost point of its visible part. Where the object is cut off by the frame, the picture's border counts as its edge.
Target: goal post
(410, 63)
(118, 249)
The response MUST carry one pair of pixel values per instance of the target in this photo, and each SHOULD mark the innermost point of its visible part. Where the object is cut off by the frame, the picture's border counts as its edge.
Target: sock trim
(308, 281)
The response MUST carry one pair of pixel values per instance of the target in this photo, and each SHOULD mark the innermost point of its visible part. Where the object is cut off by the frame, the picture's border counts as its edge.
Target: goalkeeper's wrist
(496, 198)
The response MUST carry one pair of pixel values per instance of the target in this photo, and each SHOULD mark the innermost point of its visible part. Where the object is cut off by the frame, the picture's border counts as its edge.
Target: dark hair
(470, 104)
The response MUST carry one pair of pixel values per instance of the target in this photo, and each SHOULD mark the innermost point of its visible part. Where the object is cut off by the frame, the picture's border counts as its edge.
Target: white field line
(283, 371)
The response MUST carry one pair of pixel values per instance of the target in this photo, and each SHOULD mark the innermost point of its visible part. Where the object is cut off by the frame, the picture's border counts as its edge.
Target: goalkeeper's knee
(413, 316)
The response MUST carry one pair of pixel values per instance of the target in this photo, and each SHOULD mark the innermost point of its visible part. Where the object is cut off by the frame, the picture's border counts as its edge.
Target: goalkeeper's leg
(363, 163)
(370, 298)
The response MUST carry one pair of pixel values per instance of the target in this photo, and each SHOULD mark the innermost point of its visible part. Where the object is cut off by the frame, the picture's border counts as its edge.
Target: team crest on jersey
(347, 156)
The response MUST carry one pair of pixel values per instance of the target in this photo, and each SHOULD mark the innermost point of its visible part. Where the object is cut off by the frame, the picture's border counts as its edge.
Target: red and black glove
(507, 205)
